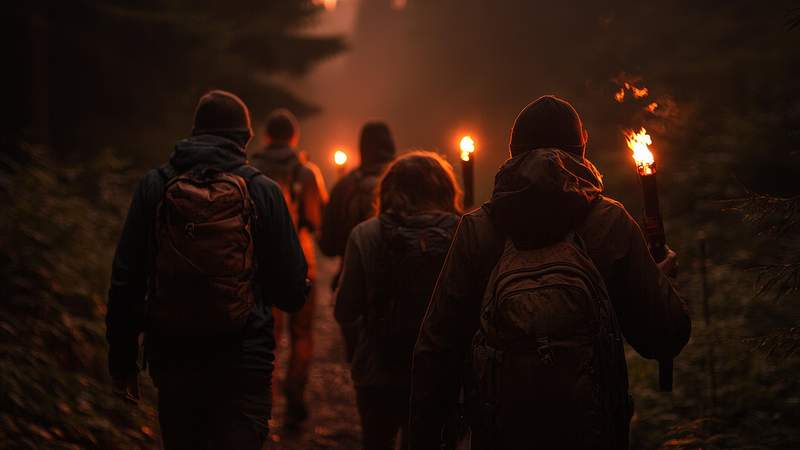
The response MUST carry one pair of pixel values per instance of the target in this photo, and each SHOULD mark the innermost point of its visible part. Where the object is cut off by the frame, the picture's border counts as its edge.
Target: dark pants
(213, 411)
(384, 413)
(301, 347)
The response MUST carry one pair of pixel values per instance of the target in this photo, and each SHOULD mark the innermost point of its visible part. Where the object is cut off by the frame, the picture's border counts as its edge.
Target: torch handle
(468, 176)
(657, 241)
(653, 225)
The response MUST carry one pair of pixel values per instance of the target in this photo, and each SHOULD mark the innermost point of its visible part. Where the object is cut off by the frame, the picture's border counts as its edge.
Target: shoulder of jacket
(611, 208)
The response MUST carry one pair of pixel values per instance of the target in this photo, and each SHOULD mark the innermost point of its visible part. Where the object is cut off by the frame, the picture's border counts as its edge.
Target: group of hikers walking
(502, 327)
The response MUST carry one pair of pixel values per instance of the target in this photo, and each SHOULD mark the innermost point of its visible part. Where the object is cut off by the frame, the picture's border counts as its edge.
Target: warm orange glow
(637, 92)
(620, 95)
(652, 107)
(467, 147)
(339, 158)
(328, 4)
(638, 143)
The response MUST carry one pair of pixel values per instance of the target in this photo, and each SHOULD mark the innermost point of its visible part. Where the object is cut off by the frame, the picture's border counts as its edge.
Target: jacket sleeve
(444, 340)
(653, 317)
(351, 302)
(130, 272)
(315, 196)
(282, 268)
(331, 241)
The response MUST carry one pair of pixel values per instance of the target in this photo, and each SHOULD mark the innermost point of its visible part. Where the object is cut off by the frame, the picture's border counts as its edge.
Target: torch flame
(467, 146)
(652, 107)
(339, 158)
(638, 143)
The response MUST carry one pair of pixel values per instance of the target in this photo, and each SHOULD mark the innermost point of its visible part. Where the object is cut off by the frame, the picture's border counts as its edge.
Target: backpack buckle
(188, 230)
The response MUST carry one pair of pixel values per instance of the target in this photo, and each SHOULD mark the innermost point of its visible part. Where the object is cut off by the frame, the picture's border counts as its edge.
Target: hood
(424, 220)
(376, 145)
(207, 150)
(541, 195)
(277, 154)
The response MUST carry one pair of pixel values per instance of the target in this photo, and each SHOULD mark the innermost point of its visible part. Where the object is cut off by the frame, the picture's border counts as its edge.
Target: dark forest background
(100, 90)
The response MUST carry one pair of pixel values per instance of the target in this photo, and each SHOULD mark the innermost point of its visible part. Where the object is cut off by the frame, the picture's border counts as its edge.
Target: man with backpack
(539, 288)
(353, 197)
(304, 193)
(207, 249)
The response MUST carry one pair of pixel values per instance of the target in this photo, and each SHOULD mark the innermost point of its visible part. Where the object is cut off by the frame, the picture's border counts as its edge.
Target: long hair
(417, 182)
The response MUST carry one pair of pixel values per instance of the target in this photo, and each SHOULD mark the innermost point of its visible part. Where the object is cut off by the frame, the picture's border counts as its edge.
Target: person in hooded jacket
(390, 266)
(546, 190)
(213, 392)
(353, 197)
(305, 194)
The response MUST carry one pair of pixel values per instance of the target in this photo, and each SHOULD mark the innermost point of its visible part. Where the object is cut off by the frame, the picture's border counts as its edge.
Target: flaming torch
(467, 147)
(340, 160)
(653, 225)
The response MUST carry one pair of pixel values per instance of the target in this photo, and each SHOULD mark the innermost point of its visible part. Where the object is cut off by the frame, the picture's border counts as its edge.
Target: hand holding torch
(653, 224)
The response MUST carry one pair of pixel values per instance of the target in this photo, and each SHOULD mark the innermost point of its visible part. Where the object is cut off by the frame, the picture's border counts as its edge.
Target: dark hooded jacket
(539, 197)
(280, 280)
(352, 197)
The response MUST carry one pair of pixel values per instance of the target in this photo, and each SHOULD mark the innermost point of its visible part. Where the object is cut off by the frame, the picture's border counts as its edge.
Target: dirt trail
(334, 422)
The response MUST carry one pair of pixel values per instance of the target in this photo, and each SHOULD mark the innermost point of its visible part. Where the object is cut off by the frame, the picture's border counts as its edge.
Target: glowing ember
(652, 107)
(339, 157)
(620, 95)
(637, 92)
(638, 143)
(467, 146)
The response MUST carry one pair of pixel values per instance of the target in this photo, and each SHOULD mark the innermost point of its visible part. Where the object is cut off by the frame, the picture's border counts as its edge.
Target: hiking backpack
(204, 261)
(286, 173)
(548, 357)
(410, 261)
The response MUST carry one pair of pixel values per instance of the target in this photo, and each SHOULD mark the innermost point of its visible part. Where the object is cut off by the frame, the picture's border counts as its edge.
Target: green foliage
(59, 226)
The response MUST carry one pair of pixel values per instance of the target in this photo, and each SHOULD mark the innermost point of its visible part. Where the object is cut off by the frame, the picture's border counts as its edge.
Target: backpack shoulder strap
(247, 171)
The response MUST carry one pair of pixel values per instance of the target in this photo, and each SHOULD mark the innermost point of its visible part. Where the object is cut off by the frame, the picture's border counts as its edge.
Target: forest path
(334, 421)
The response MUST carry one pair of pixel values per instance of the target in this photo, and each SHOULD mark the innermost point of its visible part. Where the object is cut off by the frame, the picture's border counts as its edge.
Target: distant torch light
(340, 160)
(467, 147)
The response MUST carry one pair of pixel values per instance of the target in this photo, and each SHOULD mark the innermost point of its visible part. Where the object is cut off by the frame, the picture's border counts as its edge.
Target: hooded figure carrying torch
(540, 287)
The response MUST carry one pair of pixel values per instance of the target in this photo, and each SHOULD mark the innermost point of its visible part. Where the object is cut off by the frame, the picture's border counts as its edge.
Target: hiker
(207, 248)
(540, 285)
(305, 194)
(390, 267)
(353, 197)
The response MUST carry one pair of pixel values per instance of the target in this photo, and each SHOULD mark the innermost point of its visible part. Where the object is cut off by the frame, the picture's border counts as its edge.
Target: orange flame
(638, 92)
(620, 95)
(652, 107)
(467, 146)
(638, 143)
(339, 158)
